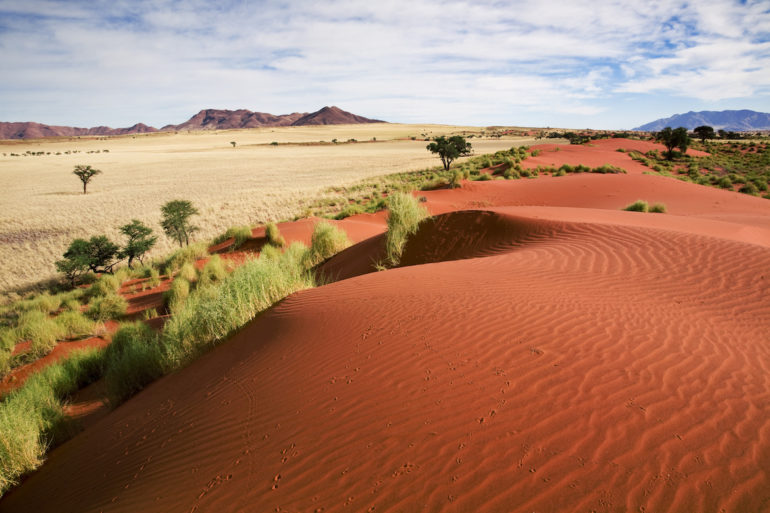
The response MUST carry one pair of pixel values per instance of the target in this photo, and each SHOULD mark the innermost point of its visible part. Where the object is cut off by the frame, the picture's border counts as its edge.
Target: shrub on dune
(106, 284)
(186, 254)
(273, 235)
(188, 272)
(177, 294)
(41, 331)
(31, 417)
(133, 360)
(326, 241)
(111, 306)
(213, 271)
(240, 234)
(638, 206)
(75, 324)
(404, 216)
(211, 313)
(658, 208)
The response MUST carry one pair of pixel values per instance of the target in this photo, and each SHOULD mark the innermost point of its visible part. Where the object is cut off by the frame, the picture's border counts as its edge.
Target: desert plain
(537, 349)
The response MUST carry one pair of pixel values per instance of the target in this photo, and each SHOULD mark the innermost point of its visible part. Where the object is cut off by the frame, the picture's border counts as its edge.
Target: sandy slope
(557, 357)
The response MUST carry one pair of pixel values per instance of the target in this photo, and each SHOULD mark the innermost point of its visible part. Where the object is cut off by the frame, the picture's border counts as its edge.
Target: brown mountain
(207, 119)
(332, 116)
(31, 130)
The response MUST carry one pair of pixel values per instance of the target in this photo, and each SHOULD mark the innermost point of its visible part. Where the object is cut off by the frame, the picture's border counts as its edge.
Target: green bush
(750, 188)
(31, 417)
(42, 332)
(240, 234)
(638, 206)
(106, 285)
(211, 313)
(273, 235)
(75, 324)
(188, 272)
(133, 360)
(404, 216)
(326, 241)
(177, 294)
(186, 254)
(111, 306)
(725, 183)
(455, 179)
(213, 271)
(658, 208)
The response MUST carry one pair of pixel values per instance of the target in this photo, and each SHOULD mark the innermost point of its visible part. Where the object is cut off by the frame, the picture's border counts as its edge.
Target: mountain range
(207, 119)
(731, 120)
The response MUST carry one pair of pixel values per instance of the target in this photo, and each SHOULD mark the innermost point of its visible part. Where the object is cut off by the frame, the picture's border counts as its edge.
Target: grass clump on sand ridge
(133, 360)
(211, 313)
(327, 240)
(111, 306)
(638, 206)
(240, 234)
(188, 272)
(40, 330)
(31, 417)
(658, 208)
(177, 294)
(74, 324)
(404, 216)
(213, 271)
(273, 235)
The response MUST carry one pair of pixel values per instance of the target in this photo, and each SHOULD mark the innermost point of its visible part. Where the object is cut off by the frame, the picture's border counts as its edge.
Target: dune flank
(539, 350)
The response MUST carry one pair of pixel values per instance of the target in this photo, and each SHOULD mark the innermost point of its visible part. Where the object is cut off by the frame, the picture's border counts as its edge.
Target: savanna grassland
(269, 174)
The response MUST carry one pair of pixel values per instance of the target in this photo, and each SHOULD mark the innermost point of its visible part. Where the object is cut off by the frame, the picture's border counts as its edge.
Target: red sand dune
(597, 153)
(541, 352)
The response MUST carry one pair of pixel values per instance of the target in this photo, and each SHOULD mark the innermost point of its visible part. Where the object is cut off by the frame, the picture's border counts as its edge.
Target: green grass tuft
(213, 271)
(638, 206)
(112, 306)
(177, 294)
(240, 234)
(42, 332)
(106, 285)
(188, 272)
(658, 208)
(133, 360)
(273, 235)
(326, 241)
(404, 216)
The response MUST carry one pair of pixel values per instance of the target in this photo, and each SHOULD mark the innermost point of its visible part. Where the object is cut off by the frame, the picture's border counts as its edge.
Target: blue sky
(597, 64)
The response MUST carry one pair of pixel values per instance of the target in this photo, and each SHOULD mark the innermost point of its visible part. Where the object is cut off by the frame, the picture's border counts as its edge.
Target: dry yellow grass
(42, 207)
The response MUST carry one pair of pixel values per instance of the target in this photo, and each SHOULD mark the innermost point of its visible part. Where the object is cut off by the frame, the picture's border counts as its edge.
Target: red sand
(541, 352)
(597, 153)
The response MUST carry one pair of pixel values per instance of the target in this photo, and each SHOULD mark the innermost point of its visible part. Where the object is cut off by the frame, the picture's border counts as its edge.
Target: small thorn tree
(140, 241)
(704, 132)
(176, 220)
(85, 173)
(676, 138)
(450, 148)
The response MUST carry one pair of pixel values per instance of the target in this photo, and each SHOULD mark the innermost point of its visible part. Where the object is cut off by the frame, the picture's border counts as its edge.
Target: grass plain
(42, 207)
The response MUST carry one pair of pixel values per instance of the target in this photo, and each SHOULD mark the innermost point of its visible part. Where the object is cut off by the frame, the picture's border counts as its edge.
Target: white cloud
(125, 61)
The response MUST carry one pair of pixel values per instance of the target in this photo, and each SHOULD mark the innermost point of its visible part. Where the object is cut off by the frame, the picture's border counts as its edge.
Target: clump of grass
(181, 256)
(273, 235)
(211, 313)
(42, 332)
(177, 294)
(31, 417)
(44, 302)
(5, 362)
(72, 305)
(133, 360)
(240, 234)
(404, 216)
(188, 272)
(326, 241)
(455, 180)
(111, 306)
(75, 324)
(106, 284)
(658, 208)
(213, 271)
(638, 206)
(154, 278)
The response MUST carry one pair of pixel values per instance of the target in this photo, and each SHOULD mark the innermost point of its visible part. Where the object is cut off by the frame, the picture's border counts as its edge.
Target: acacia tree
(85, 173)
(449, 148)
(139, 242)
(176, 220)
(704, 132)
(96, 254)
(676, 138)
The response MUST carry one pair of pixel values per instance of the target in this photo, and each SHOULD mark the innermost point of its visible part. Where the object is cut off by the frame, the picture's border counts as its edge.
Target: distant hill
(207, 119)
(733, 120)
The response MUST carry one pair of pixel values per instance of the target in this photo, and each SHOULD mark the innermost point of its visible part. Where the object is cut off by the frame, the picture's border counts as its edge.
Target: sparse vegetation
(273, 235)
(85, 174)
(404, 216)
(327, 240)
(239, 234)
(638, 206)
(176, 221)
